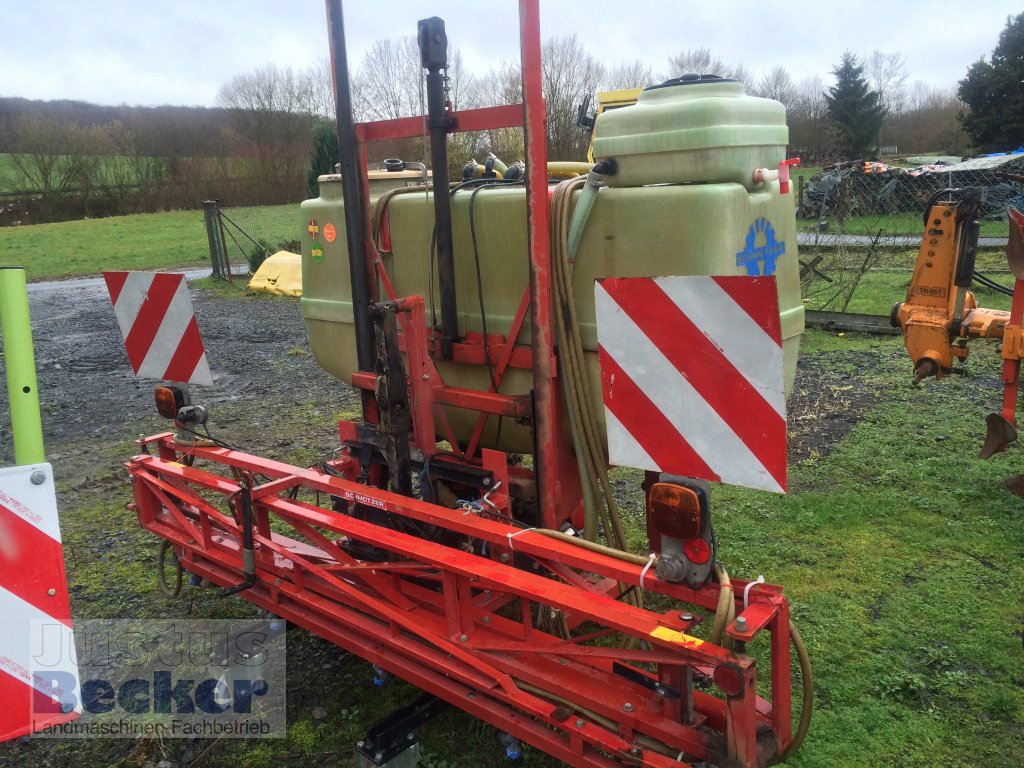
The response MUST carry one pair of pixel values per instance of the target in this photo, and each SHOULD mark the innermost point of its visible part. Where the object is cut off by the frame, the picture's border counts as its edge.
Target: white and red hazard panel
(160, 333)
(38, 674)
(692, 377)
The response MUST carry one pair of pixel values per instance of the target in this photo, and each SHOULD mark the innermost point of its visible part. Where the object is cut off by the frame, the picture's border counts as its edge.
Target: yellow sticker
(672, 636)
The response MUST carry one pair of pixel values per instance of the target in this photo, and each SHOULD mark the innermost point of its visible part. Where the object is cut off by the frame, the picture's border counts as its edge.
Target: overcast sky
(181, 51)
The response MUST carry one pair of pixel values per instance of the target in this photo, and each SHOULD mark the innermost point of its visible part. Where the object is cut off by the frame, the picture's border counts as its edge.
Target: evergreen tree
(855, 111)
(994, 91)
(325, 153)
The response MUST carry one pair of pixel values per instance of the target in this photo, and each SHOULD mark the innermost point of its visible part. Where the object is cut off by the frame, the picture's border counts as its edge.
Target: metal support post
(20, 363)
(539, 218)
(351, 187)
(213, 236)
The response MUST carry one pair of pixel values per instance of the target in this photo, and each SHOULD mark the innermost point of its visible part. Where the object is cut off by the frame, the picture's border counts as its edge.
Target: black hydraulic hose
(351, 189)
(988, 282)
(970, 229)
(934, 199)
(433, 44)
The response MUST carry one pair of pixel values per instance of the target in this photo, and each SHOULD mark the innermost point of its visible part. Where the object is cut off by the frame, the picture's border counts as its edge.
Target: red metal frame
(558, 486)
(461, 625)
(459, 621)
(546, 432)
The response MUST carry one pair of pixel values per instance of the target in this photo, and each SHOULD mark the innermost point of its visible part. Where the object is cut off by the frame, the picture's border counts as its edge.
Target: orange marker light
(674, 511)
(169, 401)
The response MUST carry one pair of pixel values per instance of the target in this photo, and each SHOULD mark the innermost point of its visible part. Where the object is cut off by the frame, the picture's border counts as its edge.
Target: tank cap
(394, 164)
(691, 78)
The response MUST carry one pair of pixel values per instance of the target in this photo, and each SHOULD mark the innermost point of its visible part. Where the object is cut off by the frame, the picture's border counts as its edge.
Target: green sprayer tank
(683, 202)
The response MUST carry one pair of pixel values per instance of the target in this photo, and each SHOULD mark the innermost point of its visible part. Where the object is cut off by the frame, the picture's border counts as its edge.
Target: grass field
(887, 283)
(909, 224)
(141, 241)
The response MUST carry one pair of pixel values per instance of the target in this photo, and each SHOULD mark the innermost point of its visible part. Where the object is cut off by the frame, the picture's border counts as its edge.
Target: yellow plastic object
(568, 169)
(280, 274)
(608, 100)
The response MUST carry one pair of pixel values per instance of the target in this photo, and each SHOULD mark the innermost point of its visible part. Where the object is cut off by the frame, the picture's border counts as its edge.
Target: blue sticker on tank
(761, 252)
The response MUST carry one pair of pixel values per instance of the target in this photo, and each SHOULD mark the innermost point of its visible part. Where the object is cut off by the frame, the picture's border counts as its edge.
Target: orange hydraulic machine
(940, 314)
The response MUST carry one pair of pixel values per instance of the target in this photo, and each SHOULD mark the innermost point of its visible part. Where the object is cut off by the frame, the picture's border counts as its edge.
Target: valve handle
(784, 167)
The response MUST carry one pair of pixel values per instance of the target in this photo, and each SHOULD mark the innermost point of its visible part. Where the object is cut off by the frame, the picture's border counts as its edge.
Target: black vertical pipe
(351, 188)
(433, 44)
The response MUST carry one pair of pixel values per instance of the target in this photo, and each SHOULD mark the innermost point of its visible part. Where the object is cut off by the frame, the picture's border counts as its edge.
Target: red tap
(784, 167)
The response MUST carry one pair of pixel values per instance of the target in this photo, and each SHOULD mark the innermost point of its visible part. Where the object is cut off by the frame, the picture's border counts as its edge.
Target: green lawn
(900, 552)
(887, 283)
(140, 241)
(909, 224)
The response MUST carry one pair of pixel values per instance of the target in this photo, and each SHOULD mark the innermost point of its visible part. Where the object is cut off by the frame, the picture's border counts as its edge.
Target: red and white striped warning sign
(159, 327)
(691, 371)
(38, 676)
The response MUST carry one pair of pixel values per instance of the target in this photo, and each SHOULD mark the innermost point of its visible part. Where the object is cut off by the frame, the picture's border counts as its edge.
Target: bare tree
(777, 84)
(808, 116)
(51, 158)
(316, 90)
(266, 104)
(269, 124)
(888, 73)
(928, 122)
(503, 85)
(700, 61)
(570, 74)
(628, 74)
(389, 81)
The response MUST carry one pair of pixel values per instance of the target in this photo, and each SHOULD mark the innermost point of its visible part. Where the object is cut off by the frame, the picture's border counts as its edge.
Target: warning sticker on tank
(761, 251)
(330, 232)
(316, 252)
(313, 228)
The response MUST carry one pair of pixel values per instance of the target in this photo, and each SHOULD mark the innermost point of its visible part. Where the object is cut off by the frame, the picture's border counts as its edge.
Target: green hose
(581, 215)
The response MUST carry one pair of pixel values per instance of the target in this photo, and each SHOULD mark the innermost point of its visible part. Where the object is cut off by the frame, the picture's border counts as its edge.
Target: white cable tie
(513, 535)
(650, 561)
(746, 590)
(679, 757)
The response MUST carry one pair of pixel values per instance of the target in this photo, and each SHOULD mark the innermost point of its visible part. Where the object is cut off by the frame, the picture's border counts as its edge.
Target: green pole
(20, 362)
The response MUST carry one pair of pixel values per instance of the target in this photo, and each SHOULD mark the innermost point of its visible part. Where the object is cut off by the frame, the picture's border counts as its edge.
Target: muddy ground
(266, 383)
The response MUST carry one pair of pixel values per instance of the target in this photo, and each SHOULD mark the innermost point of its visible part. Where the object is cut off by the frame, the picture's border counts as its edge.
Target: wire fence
(253, 233)
(858, 221)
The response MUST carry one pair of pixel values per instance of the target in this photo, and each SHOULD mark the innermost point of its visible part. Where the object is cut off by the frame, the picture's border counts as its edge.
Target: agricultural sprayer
(511, 338)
